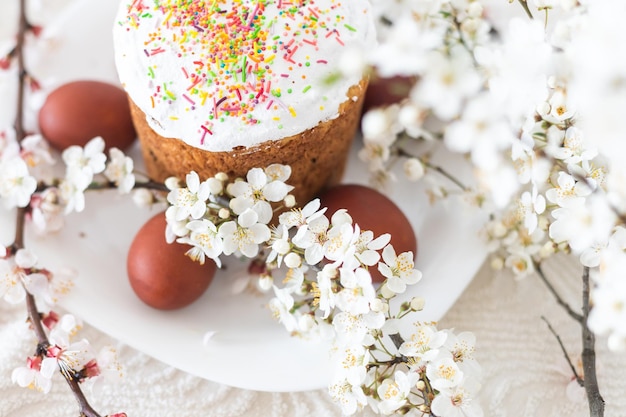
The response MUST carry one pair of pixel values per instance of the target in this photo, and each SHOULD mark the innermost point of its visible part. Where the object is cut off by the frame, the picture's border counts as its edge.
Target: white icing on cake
(220, 74)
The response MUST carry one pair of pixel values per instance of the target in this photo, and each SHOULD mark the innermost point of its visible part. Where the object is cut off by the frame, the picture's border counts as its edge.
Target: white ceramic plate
(249, 350)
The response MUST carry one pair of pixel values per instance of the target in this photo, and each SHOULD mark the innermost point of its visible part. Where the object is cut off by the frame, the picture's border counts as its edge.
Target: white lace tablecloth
(524, 371)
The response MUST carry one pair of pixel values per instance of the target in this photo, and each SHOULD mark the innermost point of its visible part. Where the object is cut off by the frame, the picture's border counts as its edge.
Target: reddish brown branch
(33, 313)
(21, 70)
(594, 398)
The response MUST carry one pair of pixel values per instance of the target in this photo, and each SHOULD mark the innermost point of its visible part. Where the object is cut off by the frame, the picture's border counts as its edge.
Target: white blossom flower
(582, 226)
(105, 367)
(575, 147)
(481, 131)
(531, 204)
(424, 343)
(256, 193)
(191, 200)
(592, 256)
(280, 244)
(406, 44)
(354, 329)
(350, 363)
(86, 161)
(60, 284)
(411, 118)
(174, 228)
(357, 293)
(443, 373)
(446, 82)
(67, 359)
(324, 293)
(205, 240)
(529, 167)
(16, 184)
(459, 401)
(66, 327)
(349, 397)
(119, 170)
(302, 217)
(558, 109)
(47, 211)
(280, 306)
(394, 393)
(399, 270)
(244, 235)
(380, 124)
(341, 238)
(72, 191)
(9, 147)
(516, 68)
(312, 238)
(568, 192)
(366, 249)
(35, 151)
(30, 376)
(609, 296)
(520, 263)
(413, 169)
(15, 281)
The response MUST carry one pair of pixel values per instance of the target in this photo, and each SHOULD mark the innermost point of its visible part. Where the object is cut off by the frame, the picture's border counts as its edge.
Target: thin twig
(526, 9)
(576, 316)
(33, 313)
(21, 68)
(440, 170)
(594, 398)
(567, 358)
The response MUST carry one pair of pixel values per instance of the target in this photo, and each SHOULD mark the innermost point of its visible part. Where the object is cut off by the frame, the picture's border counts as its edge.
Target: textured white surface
(523, 366)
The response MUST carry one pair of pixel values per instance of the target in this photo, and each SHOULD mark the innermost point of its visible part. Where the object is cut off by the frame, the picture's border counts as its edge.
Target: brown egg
(384, 91)
(160, 273)
(374, 211)
(78, 111)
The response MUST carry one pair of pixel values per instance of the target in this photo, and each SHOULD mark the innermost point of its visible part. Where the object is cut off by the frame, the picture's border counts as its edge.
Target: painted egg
(385, 91)
(78, 111)
(160, 273)
(374, 211)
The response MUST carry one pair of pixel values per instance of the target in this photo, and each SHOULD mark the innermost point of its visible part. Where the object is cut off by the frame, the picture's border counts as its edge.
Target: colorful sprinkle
(235, 46)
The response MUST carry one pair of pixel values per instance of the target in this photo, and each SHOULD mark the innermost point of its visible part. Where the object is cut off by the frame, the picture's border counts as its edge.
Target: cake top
(220, 74)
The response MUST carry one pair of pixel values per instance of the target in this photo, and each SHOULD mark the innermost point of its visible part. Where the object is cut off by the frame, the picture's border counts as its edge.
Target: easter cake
(228, 85)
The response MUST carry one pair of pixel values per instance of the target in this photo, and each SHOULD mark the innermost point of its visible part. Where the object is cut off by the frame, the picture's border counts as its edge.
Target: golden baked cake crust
(317, 156)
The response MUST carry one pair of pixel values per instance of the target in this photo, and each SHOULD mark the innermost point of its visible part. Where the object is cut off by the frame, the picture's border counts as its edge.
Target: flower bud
(475, 9)
(293, 260)
(378, 306)
(142, 197)
(224, 213)
(546, 250)
(413, 169)
(172, 183)
(306, 323)
(497, 263)
(386, 292)
(266, 282)
(282, 247)
(417, 303)
(290, 201)
(221, 176)
(420, 385)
